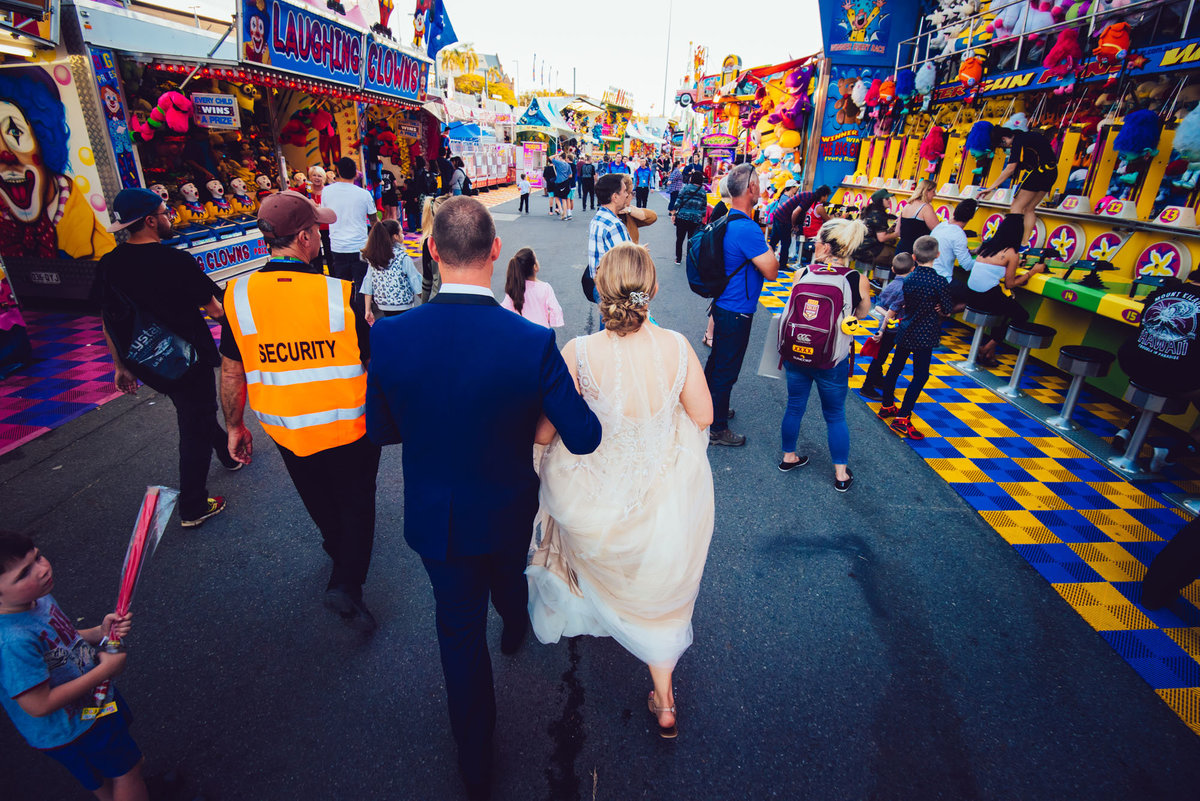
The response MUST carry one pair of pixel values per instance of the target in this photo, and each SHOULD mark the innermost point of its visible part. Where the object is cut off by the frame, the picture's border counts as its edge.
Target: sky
(621, 43)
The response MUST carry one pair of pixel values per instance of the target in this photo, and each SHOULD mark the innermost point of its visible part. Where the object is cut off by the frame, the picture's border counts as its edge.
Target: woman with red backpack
(815, 347)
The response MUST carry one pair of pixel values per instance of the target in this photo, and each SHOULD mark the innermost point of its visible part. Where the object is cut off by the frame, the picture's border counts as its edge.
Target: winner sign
(394, 72)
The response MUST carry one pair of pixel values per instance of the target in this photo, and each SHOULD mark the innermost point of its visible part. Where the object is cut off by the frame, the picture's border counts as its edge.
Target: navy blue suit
(462, 382)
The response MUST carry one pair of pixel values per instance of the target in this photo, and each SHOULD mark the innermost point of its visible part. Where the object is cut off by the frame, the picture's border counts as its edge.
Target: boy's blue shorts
(105, 751)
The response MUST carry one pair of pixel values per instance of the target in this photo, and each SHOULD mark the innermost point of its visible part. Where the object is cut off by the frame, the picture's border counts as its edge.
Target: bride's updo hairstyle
(625, 279)
(843, 236)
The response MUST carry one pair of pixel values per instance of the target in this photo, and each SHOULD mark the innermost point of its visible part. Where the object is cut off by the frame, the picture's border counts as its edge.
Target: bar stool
(881, 274)
(1152, 404)
(1081, 362)
(1026, 336)
(981, 320)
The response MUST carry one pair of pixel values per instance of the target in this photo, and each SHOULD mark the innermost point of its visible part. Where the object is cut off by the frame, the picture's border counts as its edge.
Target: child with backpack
(816, 347)
(926, 301)
(392, 282)
(526, 295)
(891, 300)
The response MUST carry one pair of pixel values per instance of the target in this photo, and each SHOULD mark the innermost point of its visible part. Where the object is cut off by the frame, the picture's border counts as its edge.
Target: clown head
(237, 185)
(263, 182)
(299, 181)
(189, 192)
(215, 190)
(33, 142)
(161, 191)
(257, 22)
(111, 101)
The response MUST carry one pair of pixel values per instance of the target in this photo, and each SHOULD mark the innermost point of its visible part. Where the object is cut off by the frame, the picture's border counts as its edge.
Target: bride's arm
(696, 400)
(544, 434)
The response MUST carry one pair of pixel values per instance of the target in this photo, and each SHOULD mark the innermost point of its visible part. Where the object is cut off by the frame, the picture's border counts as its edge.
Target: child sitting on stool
(926, 301)
(890, 299)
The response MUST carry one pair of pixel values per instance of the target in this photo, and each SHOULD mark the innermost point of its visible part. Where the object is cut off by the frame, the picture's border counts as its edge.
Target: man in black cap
(143, 282)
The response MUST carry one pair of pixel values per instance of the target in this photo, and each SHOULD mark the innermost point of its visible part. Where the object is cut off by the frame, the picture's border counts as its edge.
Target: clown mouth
(19, 188)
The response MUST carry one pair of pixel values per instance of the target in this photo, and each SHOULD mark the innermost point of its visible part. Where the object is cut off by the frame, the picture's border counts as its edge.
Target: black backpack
(706, 260)
(467, 188)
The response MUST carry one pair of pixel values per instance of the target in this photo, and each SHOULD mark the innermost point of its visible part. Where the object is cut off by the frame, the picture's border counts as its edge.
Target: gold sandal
(666, 732)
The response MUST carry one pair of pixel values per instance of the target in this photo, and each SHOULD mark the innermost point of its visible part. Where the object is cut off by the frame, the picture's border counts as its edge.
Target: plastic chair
(1080, 362)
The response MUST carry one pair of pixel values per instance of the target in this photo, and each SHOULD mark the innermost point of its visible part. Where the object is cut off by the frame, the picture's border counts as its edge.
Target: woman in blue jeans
(836, 240)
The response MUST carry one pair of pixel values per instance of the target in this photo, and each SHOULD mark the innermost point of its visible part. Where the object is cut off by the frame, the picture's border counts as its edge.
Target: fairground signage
(286, 37)
(719, 140)
(393, 72)
(1147, 61)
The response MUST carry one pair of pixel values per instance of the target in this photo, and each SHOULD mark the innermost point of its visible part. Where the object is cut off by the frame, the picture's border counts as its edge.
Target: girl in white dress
(622, 533)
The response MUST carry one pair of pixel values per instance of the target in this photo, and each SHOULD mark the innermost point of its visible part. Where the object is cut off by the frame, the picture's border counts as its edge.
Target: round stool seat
(1082, 360)
(980, 318)
(1030, 335)
(1151, 401)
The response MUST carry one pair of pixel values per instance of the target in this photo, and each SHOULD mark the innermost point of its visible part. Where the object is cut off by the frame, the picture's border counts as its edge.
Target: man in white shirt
(952, 241)
(355, 209)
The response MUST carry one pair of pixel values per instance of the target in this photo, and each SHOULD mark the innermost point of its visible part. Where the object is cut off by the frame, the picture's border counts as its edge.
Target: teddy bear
(846, 109)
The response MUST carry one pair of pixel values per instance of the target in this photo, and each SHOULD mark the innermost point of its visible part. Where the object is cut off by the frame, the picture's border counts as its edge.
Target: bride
(624, 531)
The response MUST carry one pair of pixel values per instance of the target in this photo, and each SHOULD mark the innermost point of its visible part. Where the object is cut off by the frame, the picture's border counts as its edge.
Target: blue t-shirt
(562, 170)
(39, 645)
(641, 178)
(743, 241)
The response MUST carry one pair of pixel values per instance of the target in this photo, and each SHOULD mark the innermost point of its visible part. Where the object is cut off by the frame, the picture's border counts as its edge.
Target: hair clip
(639, 298)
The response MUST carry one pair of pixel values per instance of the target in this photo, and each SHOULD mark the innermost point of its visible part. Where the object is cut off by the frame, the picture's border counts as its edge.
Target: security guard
(293, 343)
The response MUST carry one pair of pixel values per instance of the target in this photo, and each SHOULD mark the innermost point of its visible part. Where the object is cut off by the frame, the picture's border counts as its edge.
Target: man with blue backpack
(728, 261)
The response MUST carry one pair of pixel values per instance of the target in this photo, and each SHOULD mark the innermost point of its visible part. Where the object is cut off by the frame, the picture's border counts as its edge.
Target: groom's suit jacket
(462, 382)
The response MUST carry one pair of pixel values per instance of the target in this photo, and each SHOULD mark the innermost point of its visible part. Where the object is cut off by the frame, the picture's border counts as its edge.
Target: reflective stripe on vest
(312, 419)
(298, 339)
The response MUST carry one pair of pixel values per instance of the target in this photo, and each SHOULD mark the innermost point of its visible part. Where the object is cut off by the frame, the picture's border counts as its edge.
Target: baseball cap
(791, 182)
(880, 194)
(131, 205)
(290, 213)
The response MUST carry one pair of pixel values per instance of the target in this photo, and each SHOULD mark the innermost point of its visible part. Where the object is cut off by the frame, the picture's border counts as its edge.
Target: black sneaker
(339, 601)
(871, 393)
(842, 486)
(785, 466)
(215, 507)
(360, 618)
(726, 437)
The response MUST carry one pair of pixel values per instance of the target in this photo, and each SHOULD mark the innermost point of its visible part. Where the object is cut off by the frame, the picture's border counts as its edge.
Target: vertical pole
(667, 58)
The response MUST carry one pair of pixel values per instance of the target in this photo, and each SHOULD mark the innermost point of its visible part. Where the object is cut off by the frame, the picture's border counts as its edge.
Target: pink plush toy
(1064, 58)
(173, 109)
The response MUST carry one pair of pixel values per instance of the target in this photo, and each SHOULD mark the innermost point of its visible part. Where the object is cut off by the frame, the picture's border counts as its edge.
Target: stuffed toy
(887, 91)
(1064, 57)
(294, 133)
(1113, 45)
(1038, 19)
(173, 110)
(926, 78)
(1139, 135)
(1076, 10)
(858, 94)
(906, 84)
(933, 147)
(1012, 21)
(971, 72)
(979, 139)
(872, 98)
(1187, 136)
(846, 109)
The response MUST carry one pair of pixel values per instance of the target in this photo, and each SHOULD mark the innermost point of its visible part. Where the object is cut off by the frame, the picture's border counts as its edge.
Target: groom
(462, 382)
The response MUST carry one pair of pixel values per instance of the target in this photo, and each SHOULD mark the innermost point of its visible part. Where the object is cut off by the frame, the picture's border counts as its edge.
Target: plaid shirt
(675, 180)
(605, 233)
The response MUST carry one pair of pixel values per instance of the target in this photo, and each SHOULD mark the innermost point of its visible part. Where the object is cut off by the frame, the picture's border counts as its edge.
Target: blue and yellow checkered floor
(1089, 533)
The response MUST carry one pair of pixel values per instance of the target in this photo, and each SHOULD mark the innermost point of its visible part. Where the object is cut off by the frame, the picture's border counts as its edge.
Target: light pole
(667, 63)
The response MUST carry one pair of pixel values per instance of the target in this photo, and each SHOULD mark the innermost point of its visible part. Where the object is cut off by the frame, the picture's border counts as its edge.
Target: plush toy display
(971, 72)
(1139, 135)
(241, 199)
(933, 147)
(1064, 58)
(1187, 136)
(173, 110)
(926, 78)
(191, 210)
(979, 139)
(1012, 21)
(906, 84)
(1113, 45)
(858, 94)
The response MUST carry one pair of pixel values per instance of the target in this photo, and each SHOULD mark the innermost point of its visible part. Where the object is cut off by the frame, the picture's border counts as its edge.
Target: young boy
(926, 301)
(891, 299)
(49, 672)
(523, 188)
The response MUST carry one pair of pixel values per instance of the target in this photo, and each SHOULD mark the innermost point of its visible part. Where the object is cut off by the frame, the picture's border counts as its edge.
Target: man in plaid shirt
(614, 192)
(674, 182)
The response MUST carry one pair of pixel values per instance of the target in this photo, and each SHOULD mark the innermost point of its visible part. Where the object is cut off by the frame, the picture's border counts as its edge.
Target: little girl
(392, 280)
(524, 294)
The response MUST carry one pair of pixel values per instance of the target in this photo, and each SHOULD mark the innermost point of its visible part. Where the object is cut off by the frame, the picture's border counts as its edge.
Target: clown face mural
(43, 214)
(255, 34)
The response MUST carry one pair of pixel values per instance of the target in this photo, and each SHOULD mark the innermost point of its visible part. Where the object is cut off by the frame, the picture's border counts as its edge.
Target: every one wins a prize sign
(215, 111)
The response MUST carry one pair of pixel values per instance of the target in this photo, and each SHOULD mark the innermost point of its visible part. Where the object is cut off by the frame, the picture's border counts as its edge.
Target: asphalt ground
(884, 643)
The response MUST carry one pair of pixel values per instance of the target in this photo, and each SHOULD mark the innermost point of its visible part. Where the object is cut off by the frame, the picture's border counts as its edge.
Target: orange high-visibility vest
(304, 373)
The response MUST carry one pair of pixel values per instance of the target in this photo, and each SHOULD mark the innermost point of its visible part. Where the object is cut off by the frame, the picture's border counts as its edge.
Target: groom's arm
(576, 423)
(381, 426)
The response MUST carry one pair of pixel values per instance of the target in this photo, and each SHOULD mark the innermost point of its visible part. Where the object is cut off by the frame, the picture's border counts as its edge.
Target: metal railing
(977, 22)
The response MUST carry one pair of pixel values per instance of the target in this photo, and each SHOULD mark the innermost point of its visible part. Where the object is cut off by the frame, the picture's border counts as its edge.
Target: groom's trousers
(461, 588)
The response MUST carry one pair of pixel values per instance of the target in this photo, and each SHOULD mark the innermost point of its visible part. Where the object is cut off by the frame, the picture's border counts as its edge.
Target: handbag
(156, 355)
(588, 284)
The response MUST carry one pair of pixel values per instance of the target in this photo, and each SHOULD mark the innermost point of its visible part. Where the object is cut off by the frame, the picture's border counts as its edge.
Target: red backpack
(810, 330)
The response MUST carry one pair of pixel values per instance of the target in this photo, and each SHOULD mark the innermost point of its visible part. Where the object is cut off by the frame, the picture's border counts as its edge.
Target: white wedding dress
(622, 534)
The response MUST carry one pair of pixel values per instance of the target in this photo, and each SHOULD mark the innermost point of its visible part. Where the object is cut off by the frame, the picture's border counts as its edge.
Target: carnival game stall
(1113, 88)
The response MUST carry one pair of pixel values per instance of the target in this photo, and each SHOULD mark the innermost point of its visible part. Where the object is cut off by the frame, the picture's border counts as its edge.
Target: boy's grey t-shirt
(35, 646)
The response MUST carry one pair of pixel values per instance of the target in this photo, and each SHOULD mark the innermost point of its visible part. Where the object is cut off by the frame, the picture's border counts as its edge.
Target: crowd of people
(597, 453)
